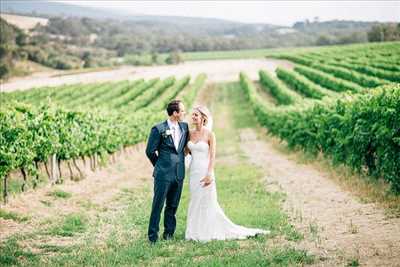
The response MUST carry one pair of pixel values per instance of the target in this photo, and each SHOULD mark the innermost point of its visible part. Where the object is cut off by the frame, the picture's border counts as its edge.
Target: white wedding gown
(206, 220)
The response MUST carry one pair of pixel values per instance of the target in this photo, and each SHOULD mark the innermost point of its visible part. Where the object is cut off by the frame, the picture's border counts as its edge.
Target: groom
(165, 149)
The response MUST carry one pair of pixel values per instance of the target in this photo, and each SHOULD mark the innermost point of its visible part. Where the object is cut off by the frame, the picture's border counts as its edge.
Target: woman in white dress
(206, 220)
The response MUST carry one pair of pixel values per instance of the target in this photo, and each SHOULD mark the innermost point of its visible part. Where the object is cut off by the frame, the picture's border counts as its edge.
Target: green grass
(241, 194)
(353, 262)
(59, 194)
(11, 253)
(46, 203)
(244, 200)
(145, 59)
(70, 225)
(88, 205)
(48, 248)
(234, 54)
(9, 215)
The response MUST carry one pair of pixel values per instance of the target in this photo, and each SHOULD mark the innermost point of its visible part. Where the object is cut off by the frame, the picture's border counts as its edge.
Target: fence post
(5, 195)
(53, 166)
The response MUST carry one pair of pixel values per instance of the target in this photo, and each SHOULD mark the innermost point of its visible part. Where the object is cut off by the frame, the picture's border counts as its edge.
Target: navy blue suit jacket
(168, 162)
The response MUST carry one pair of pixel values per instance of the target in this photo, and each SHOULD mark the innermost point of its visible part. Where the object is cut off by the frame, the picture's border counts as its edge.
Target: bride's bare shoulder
(210, 134)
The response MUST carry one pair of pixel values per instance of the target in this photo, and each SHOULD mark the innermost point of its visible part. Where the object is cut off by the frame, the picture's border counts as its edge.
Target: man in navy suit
(165, 149)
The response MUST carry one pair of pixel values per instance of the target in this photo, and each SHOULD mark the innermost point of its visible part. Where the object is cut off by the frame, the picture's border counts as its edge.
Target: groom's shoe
(152, 240)
(167, 236)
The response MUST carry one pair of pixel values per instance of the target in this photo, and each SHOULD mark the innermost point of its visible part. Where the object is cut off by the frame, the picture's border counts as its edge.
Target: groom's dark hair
(173, 106)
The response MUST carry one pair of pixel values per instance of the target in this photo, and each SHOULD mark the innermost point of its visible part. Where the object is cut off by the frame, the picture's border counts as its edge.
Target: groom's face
(181, 114)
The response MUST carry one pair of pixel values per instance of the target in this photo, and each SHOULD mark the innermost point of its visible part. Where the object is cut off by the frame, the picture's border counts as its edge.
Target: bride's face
(196, 117)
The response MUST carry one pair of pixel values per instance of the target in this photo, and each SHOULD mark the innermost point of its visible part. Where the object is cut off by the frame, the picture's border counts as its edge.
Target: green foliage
(10, 38)
(384, 32)
(9, 215)
(125, 100)
(327, 80)
(68, 126)
(174, 57)
(60, 194)
(276, 88)
(190, 94)
(369, 65)
(71, 224)
(350, 75)
(12, 253)
(382, 65)
(148, 96)
(362, 131)
(375, 72)
(353, 262)
(169, 94)
(300, 83)
(145, 35)
(52, 56)
(141, 59)
(4, 70)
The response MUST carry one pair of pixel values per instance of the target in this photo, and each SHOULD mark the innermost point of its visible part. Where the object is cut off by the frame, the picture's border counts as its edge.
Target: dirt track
(216, 70)
(337, 226)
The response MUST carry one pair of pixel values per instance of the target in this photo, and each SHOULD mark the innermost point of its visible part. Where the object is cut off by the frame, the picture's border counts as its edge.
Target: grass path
(114, 233)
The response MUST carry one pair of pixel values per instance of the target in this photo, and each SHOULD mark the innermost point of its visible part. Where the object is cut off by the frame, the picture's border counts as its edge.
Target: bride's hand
(207, 180)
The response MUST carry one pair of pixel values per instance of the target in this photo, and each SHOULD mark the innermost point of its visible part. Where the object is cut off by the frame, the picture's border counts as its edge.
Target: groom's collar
(170, 123)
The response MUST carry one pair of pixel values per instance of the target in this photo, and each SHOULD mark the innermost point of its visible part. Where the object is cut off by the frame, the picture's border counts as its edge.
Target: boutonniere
(166, 133)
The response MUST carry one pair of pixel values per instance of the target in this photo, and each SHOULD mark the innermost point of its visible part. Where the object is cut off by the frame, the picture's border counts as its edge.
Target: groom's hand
(207, 181)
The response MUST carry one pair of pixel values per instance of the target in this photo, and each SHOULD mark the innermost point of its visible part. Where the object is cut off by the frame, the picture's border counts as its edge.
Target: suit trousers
(170, 193)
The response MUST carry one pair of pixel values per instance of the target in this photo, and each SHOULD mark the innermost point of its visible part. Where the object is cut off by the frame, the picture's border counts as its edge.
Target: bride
(206, 220)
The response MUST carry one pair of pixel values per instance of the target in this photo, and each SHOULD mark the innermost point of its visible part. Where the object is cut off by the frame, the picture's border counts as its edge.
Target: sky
(273, 12)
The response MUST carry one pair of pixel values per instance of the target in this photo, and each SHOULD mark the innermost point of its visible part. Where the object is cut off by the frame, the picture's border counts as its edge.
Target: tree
(21, 39)
(174, 57)
(384, 32)
(8, 33)
(6, 62)
(376, 34)
(154, 57)
(323, 40)
(391, 32)
(4, 70)
(87, 59)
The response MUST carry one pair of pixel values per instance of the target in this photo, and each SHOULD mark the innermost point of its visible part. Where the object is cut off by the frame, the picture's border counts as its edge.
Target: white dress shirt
(176, 132)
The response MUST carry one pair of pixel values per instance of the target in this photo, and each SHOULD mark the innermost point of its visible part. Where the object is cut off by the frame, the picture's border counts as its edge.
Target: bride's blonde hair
(204, 113)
